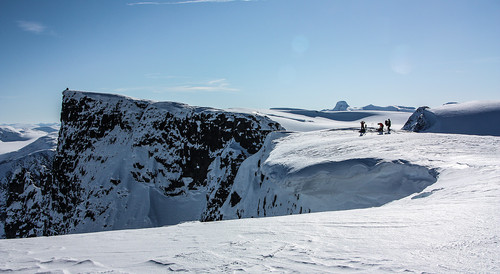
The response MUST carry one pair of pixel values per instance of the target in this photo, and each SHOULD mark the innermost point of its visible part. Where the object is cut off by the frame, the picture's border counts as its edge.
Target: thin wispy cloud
(30, 26)
(210, 86)
(163, 76)
(185, 2)
(216, 85)
(35, 27)
(144, 3)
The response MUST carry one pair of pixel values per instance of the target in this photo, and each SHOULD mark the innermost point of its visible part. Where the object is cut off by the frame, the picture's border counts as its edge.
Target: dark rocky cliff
(125, 163)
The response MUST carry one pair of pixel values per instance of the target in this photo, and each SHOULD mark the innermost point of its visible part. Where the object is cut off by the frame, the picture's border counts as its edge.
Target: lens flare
(300, 44)
(401, 61)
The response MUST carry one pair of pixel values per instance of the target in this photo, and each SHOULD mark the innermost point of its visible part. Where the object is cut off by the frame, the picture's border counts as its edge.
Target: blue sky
(254, 53)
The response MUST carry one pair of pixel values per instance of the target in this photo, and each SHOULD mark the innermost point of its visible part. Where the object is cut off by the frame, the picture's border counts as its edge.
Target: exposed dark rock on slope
(21, 173)
(420, 120)
(474, 118)
(125, 163)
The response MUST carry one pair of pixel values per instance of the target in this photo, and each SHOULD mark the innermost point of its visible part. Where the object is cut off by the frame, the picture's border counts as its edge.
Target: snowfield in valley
(399, 202)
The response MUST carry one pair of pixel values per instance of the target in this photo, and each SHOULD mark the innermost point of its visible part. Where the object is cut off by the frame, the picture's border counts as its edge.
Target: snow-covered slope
(31, 151)
(449, 226)
(477, 117)
(10, 134)
(309, 120)
(404, 202)
(16, 136)
(389, 108)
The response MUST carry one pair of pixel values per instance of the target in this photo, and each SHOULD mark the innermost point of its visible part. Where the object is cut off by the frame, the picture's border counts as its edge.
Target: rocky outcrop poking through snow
(420, 120)
(475, 118)
(125, 163)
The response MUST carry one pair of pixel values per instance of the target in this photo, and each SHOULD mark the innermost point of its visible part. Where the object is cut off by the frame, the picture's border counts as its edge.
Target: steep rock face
(420, 120)
(124, 163)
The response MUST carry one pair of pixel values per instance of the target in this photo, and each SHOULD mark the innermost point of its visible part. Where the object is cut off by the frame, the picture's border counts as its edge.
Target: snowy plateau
(151, 187)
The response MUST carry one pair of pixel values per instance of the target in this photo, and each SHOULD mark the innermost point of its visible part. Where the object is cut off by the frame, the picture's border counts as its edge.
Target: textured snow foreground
(450, 226)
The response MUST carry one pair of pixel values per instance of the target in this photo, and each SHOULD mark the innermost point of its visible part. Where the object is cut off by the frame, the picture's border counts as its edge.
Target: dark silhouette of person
(388, 124)
(363, 127)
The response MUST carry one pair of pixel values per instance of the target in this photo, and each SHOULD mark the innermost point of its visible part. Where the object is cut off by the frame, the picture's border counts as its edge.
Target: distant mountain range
(343, 106)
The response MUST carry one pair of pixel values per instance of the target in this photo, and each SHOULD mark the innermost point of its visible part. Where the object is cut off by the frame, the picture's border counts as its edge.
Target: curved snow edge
(265, 189)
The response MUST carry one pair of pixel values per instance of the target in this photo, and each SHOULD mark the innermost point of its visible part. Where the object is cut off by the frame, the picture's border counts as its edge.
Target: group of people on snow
(380, 129)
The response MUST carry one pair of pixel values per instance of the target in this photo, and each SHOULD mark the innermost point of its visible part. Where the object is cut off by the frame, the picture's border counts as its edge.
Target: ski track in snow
(451, 226)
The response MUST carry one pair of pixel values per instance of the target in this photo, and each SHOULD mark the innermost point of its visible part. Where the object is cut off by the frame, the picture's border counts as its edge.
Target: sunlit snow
(448, 225)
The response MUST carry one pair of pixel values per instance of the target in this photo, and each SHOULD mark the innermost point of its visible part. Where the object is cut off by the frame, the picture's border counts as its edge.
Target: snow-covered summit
(476, 117)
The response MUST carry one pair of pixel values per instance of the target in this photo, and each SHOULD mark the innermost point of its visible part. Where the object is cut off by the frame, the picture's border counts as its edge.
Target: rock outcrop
(126, 163)
(420, 120)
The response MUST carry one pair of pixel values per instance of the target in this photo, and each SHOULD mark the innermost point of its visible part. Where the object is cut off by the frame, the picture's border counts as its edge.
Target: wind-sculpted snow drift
(268, 185)
(124, 163)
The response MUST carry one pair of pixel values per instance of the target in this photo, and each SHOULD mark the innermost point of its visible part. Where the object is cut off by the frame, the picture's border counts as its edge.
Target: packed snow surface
(450, 226)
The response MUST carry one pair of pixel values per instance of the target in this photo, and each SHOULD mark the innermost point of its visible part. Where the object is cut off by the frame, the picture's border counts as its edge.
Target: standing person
(363, 127)
(388, 124)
